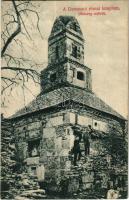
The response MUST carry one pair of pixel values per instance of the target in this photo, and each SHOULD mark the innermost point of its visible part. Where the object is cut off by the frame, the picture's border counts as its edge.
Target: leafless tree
(16, 68)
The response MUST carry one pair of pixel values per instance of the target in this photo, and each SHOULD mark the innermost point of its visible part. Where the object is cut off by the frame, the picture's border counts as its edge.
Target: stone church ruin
(67, 107)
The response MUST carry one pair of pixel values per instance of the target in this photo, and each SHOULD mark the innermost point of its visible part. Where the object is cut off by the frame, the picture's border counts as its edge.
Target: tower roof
(66, 22)
(66, 19)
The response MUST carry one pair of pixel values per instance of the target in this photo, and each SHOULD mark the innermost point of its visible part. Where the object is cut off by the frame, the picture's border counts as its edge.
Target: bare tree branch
(15, 33)
(17, 70)
(37, 18)
(9, 79)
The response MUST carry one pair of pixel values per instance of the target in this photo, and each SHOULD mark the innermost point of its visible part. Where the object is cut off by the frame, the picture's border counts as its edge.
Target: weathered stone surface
(49, 143)
(34, 125)
(84, 120)
(55, 121)
(72, 118)
(33, 133)
(32, 161)
(100, 125)
(73, 185)
(88, 177)
(58, 144)
(49, 132)
(68, 165)
(40, 172)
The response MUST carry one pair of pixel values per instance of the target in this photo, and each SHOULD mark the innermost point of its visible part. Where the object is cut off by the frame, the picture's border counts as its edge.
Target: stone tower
(67, 106)
(66, 57)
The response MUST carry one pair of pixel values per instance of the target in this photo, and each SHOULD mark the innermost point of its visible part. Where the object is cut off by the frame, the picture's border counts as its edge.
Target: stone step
(32, 194)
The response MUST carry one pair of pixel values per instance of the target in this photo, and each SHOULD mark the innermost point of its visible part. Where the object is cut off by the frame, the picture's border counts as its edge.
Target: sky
(106, 49)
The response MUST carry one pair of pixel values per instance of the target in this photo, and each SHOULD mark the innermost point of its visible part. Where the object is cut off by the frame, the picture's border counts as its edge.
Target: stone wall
(56, 135)
(65, 73)
(57, 50)
(32, 127)
(60, 47)
(73, 69)
(60, 72)
(70, 41)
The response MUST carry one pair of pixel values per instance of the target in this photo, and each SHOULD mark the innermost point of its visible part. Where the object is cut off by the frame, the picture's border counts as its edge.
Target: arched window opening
(57, 52)
(95, 123)
(74, 27)
(33, 148)
(80, 76)
(53, 77)
(74, 51)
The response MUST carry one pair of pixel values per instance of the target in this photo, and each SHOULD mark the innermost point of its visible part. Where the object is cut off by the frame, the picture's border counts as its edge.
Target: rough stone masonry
(45, 130)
